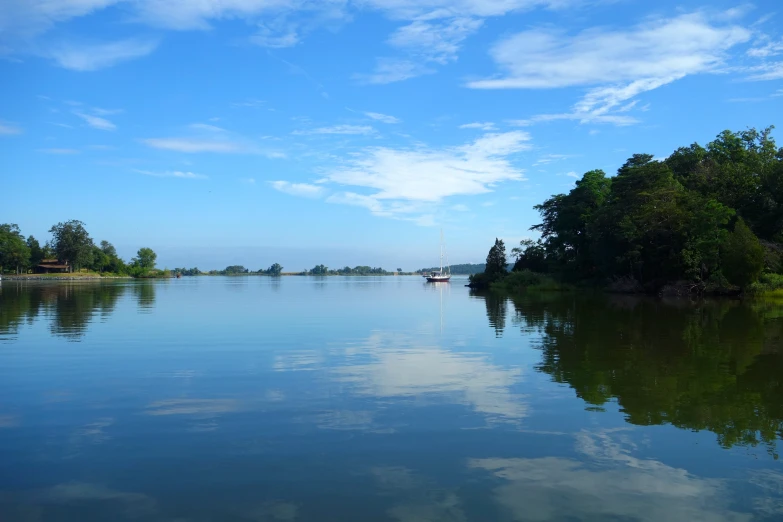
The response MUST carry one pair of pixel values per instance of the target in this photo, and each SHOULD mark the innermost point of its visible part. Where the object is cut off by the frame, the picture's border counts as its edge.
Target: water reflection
(145, 295)
(69, 307)
(607, 482)
(497, 309)
(400, 365)
(713, 365)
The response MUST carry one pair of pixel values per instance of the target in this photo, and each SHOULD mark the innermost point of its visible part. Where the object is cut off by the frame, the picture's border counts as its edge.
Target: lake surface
(363, 399)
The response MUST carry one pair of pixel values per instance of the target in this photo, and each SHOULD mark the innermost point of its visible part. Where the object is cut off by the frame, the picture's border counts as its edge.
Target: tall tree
(496, 260)
(14, 251)
(274, 270)
(742, 256)
(72, 243)
(145, 259)
(36, 252)
(108, 249)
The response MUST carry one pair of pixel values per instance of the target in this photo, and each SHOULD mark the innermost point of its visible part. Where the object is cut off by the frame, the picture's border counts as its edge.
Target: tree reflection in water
(70, 307)
(712, 365)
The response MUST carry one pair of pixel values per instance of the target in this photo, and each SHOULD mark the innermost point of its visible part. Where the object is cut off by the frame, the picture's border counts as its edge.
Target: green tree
(108, 249)
(72, 243)
(319, 270)
(530, 255)
(496, 260)
(100, 261)
(145, 259)
(274, 270)
(742, 256)
(36, 252)
(14, 251)
(566, 219)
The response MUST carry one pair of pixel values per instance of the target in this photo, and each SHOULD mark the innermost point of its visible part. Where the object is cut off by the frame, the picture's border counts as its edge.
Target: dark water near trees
(356, 399)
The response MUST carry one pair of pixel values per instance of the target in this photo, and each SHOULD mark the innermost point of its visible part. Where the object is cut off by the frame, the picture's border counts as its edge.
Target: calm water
(361, 399)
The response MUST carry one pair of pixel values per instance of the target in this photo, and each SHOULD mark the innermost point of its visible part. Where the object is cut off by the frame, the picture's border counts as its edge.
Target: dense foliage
(70, 244)
(714, 366)
(710, 216)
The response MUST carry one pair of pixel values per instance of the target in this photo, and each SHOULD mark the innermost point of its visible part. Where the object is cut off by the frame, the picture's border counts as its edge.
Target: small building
(52, 266)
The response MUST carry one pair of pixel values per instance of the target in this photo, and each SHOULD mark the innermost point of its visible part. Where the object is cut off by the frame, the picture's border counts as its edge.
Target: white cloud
(339, 129)
(383, 118)
(305, 190)
(400, 366)
(275, 39)
(8, 129)
(424, 174)
(550, 158)
(572, 174)
(663, 49)
(764, 51)
(105, 112)
(485, 126)
(91, 57)
(96, 122)
(59, 151)
(206, 127)
(249, 103)
(622, 64)
(612, 485)
(434, 41)
(410, 183)
(390, 70)
(172, 174)
(766, 71)
(190, 145)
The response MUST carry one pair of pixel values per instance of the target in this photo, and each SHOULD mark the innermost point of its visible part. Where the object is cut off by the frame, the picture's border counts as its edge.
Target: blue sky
(349, 132)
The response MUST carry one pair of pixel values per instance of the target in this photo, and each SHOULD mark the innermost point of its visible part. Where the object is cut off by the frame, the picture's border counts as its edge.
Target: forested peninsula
(707, 219)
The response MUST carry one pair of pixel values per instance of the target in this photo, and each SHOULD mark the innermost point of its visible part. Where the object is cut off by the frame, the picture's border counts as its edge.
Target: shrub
(742, 256)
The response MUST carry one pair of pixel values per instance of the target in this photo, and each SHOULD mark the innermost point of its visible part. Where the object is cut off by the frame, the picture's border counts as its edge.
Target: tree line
(70, 244)
(709, 217)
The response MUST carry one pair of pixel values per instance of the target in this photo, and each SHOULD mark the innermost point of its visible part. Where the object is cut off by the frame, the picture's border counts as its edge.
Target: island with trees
(72, 253)
(704, 220)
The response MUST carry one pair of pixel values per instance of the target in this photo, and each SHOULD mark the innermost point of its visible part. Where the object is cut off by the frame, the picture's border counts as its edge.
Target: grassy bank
(770, 285)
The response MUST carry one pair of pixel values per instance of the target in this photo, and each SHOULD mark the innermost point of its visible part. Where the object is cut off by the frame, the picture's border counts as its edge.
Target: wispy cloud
(550, 158)
(59, 151)
(248, 181)
(485, 126)
(338, 129)
(390, 70)
(572, 174)
(206, 127)
(305, 190)
(9, 129)
(409, 184)
(249, 103)
(106, 112)
(622, 64)
(96, 122)
(91, 57)
(172, 174)
(383, 118)
(190, 145)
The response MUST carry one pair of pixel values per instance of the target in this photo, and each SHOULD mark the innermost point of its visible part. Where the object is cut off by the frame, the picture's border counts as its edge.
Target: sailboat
(440, 276)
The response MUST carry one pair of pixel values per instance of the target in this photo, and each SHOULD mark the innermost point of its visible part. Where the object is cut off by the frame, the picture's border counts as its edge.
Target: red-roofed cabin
(51, 266)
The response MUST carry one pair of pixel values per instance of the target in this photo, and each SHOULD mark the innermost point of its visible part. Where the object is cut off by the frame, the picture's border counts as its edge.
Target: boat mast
(441, 251)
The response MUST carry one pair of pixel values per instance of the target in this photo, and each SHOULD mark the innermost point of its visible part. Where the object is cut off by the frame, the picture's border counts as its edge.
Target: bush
(524, 280)
(742, 256)
(767, 283)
